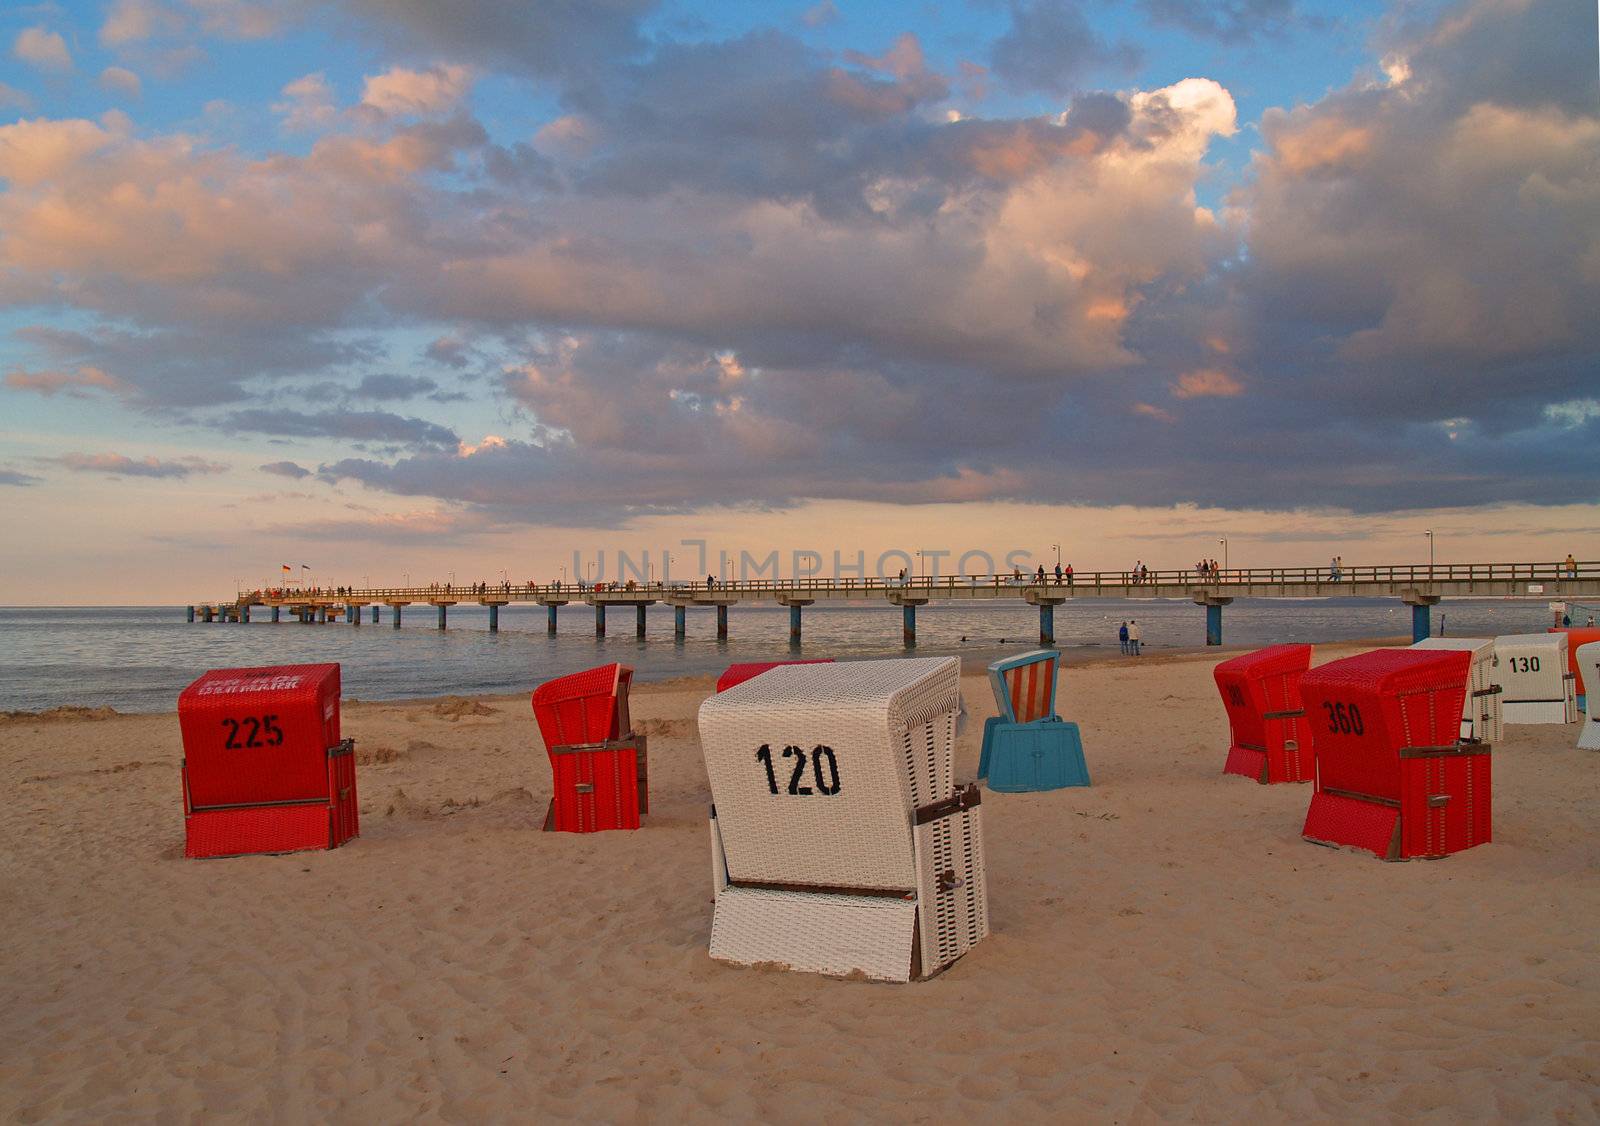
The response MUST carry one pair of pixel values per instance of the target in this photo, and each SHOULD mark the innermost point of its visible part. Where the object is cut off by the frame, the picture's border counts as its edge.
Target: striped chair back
(1025, 686)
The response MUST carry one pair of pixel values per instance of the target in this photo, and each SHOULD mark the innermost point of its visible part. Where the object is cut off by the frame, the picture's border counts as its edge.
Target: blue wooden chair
(1027, 746)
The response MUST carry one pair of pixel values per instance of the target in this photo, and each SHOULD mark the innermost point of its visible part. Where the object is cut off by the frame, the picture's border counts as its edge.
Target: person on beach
(1135, 636)
(1122, 638)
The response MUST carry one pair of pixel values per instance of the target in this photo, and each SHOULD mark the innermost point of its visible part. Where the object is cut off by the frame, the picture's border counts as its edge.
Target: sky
(388, 289)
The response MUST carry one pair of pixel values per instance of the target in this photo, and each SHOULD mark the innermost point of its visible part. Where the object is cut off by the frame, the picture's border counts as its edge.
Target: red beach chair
(739, 673)
(599, 766)
(1272, 739)
(264, 769)
(1393, 774)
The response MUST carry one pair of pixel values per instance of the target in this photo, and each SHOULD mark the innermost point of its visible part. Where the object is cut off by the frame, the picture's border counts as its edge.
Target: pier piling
(191, 613)
(550, 619)
(908, 625)
(374, 613)
(638, 621)
(244, 614)
(494, 617)
(599, 619)
(275, 612)
(353, 612)
(444, 610)
(794, 623)
(680, 622)
(1422, 604)
(722, 621)
(1047, 623)
(396, 615)
(1213, 604)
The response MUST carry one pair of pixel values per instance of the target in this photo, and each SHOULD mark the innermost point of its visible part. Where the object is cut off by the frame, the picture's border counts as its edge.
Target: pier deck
(1420, 586)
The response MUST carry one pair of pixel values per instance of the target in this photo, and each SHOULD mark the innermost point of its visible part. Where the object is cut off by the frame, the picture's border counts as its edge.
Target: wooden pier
(1419, 586)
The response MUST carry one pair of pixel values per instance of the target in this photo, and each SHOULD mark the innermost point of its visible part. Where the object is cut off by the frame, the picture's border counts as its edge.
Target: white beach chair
(841, 843)
(1481, 716)
(1589, 662)
(1533, 671)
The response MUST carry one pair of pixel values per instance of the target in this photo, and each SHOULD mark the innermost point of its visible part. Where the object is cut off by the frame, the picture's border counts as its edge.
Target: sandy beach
(1164, 943)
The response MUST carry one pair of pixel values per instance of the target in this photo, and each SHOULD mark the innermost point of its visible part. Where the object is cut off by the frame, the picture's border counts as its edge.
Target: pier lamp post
(406, 575)
(1058, 555)
(922, 566)
(1224, 544)
(1429, 533)
(563, 581)
(590, 570)
(450, 581)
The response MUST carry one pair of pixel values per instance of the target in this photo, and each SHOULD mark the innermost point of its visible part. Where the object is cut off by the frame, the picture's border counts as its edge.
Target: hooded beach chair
(1394, 776)
(1271, 739)
(1027, 746)
(841, 841)
(264, 769)
(599, 765)
(1589, 662)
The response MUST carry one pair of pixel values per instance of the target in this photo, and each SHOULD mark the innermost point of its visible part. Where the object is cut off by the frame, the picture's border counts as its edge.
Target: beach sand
(1164, 943)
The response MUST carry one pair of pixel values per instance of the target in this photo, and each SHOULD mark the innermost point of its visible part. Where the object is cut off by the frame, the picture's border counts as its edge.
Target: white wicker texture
(815, 932)
(841, 817)
(952, 888)
(1533, 672)
(1589, 662)
(1481, 713)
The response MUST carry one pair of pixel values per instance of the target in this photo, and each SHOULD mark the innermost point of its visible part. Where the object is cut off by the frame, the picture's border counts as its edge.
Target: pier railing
(1118, 583)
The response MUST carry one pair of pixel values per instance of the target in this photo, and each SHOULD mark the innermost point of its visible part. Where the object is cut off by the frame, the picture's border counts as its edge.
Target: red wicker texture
(346, 815)
(1445, 804)
(1338, 820)
(601, 789)
(584, 707)
(1365, 709)
(738, 673)
(242, 832)
(258, 735)
(1262, 684)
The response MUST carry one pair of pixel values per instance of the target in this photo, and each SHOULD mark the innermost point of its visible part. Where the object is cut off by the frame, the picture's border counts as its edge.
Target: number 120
(829, 786)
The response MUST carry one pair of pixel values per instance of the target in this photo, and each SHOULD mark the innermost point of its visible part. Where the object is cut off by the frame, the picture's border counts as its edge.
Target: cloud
(308, 104)
(135, 21)
(1227, 21)
(19, 480)
(286, 469)
(12, 98)
(355, 426)
(1051, 47)
(119, 465)
(421, 93)
(48, 383)
(1207, 383)
(387, 386)
(121, 81)
(43, 49)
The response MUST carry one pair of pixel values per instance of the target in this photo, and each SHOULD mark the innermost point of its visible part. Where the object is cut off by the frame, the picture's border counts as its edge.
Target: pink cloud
(1207, 383)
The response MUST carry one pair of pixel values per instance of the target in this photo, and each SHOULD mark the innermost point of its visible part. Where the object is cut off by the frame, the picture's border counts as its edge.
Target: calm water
(137, 659)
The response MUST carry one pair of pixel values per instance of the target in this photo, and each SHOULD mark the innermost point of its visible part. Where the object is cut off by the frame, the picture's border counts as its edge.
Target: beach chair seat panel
(1029, 757)
(841, 935)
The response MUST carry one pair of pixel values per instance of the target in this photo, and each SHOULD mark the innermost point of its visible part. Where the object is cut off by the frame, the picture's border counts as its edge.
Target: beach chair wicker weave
(264, 769)
(1481, 717)
(1028, 747)
(1394, 776)
(1539, 685)
(840, 841)
(1271, 736)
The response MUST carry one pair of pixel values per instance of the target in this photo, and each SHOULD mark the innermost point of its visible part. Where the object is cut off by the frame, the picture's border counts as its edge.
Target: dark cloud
(385, 386)
(20, 480)
(1227, 21)
(290, 469)
(1051, 47)
(355, 426)
(120, 465)
(569, 40)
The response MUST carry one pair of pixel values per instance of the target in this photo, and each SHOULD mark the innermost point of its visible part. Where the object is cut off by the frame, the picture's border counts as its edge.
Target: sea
(138, 658)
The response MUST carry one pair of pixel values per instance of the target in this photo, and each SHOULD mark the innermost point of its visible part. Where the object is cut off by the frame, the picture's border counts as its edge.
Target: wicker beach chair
(1577, 638)
(1539, 685)
(1271, 739)
(1028, 746)
(1589, 662)
(1393, 774)
(1481, 718)
(264, 769)
(841, 842)
(600, 767)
